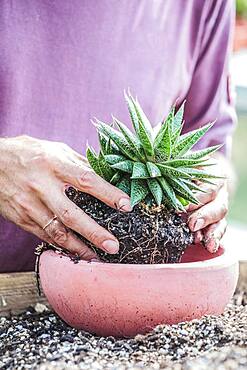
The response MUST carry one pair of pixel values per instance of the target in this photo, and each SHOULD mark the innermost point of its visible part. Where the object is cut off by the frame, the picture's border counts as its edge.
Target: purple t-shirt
(64, 62)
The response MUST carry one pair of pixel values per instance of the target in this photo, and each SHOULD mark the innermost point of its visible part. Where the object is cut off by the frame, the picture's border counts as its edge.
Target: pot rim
(227, 258)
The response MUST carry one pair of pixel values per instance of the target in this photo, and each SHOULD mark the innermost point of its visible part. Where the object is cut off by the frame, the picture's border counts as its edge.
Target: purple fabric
(64, 62)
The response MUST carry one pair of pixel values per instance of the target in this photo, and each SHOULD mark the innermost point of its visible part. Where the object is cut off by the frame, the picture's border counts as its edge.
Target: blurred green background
(238, 69)
(238, 209)
(241, 8)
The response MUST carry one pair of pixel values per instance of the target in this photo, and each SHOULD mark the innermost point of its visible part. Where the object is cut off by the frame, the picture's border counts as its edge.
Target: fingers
(210, 193)
(213, 234)
(74, 218)
(56, 233)
(84, 179)
(36, 230)
(198, 236)
(210, 213)
(64, 238)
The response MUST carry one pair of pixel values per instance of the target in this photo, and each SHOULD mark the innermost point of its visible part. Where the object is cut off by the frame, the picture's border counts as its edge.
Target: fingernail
(110, 246)
(198, 237)
(209, 245)
(124, 205)
(212, 244)
(216, 245)
(198, 224)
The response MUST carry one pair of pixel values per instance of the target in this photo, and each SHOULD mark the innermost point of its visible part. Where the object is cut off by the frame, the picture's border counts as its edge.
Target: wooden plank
(18, 291)
(242, 273)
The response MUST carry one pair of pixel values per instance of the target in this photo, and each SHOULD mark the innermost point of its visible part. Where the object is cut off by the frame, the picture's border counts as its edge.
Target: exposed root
(146, 235)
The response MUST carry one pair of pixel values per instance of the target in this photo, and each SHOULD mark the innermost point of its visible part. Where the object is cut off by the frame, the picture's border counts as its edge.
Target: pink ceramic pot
(123, 300)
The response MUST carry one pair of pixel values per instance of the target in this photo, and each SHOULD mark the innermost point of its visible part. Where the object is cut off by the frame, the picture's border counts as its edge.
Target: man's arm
(33, 177)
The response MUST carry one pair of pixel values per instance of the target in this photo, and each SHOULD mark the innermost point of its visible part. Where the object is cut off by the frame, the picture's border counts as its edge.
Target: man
(62, 63)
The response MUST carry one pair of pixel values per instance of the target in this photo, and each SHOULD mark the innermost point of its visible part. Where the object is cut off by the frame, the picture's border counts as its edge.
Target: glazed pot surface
(124, 300)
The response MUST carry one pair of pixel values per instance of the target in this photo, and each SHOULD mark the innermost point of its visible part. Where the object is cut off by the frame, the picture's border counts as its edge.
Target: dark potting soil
(145, 235)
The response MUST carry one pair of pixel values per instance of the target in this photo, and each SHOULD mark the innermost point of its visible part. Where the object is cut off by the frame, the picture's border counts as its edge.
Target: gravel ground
(42, 341)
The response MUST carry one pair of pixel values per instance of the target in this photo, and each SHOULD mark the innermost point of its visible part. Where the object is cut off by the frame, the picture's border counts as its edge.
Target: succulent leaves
(145, 166)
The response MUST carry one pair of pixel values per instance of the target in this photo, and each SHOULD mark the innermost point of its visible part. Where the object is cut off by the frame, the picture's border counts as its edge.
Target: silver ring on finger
(48, 223)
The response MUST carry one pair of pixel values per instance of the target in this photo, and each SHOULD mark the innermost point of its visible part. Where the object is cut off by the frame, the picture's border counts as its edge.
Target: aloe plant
(161, 168)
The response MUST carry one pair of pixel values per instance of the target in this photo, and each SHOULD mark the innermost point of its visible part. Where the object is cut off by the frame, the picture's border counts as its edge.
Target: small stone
(40, 308)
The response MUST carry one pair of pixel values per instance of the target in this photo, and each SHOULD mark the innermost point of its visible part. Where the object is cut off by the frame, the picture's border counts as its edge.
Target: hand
(207, 219)
(33, 177)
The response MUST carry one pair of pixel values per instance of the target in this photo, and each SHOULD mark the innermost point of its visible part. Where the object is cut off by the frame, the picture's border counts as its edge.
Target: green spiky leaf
(172, 172)
(103, 143)
(161, 169)
(93, 161)
(106, 145)
(175, 136)
(146, 141)
(153, 170)
(125, 166)
(140, 171)
(132, 140)
(117, 138)
(187, 141)
(178, 119)
(139, 191)
(162, 141)
(132, 112)
(193, 186)
(143, 128)
(156, 190)
(183, 190)
(199, 154)
(106, 170)
(142, 118)
(115, 178)
(169, 193)
(184, 162)
(114, 158)
(194, 173)
(125, 185)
